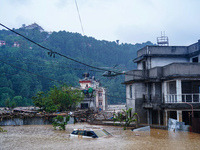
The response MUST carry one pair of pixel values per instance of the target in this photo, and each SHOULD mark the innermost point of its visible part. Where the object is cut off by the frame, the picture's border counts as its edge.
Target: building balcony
(134, 75)
(181, 69)
(184, 98)
(186, 70)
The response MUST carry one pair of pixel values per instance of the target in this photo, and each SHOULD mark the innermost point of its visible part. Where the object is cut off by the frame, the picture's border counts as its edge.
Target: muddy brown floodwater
(43, 137)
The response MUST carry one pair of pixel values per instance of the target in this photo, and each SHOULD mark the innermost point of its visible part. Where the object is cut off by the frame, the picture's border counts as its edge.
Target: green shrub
(60, 121)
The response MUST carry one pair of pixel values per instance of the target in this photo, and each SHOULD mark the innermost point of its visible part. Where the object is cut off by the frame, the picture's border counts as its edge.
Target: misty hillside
(19, 55)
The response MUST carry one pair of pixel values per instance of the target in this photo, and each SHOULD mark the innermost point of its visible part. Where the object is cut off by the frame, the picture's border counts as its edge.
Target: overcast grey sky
(129, 21)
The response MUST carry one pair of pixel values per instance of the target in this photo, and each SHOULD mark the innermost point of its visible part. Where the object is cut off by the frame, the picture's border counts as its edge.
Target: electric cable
(51, 52)
(79, 18)
(47, 77)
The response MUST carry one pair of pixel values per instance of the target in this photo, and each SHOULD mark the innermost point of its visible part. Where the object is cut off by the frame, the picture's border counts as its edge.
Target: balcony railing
(190, 98)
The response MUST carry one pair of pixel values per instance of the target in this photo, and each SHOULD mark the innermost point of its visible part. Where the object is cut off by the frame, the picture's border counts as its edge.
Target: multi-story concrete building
(166, 84)
(96, 100)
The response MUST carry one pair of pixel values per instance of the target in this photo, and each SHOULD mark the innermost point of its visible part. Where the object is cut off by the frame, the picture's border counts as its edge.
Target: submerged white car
(89, 133)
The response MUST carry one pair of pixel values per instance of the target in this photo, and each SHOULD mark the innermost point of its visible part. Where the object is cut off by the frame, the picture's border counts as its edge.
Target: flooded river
(43, 137)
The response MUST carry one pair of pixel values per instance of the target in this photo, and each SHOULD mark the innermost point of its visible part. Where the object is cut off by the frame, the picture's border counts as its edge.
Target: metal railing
(190, 98)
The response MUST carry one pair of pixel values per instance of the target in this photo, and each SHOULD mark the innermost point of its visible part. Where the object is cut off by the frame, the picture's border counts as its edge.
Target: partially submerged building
(95, 96)
(166, 84)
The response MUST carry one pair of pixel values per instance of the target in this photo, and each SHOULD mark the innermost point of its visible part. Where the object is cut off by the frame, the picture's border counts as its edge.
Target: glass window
(81, 132)
(75, 132)
(89, 133)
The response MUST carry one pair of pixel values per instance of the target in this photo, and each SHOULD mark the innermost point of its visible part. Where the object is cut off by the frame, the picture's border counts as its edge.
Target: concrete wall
(194, 57)
(138, 90)
(152, 62)
(142, 51)
(30, 121)
(163, 61)
(181, 69)
(130, 102)
(156, 92)
(194, 47)
(142, 113)
(134, 75)
(155, 72)
(176, 50)
(140, 65)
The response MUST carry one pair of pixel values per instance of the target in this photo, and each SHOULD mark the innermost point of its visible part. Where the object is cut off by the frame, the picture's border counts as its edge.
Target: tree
(63, 98)
(18, 100)
(10, 104)
(13, 104)
(66, 97)
(125, 118)
(60, 121)
(7, 102)
(32, 58)
(39, 99)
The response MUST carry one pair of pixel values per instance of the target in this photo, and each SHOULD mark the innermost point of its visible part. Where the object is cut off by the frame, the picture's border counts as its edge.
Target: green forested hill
(19, 86)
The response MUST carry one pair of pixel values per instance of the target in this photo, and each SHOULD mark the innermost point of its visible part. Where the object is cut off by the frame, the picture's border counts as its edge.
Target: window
(81, 132)
(84, 105)
(100, 103)
(144, 65)
(100, 94)
(130, 88)
(75, 132)
(195, 59)
(90, 133)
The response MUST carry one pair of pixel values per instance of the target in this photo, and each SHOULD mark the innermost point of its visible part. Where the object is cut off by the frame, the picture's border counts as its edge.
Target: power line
(46, 77)
(79, 18)
(51, 52)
